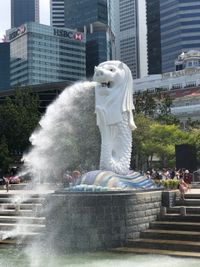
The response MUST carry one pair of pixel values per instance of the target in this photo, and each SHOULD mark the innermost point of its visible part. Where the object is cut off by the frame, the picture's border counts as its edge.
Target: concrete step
(157, 251)
(26, 220)
(180, 218)
(22, 238)
(182, 226)
(188, 202)
(171, 235)
(175, 245)
(13, 212)
(22, 227)
(23, 206)
(189, 210)
(22, 200)
(192, 196)
(20, 186)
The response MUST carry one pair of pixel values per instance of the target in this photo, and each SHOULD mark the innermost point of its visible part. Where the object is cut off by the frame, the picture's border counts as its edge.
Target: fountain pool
(10, 257)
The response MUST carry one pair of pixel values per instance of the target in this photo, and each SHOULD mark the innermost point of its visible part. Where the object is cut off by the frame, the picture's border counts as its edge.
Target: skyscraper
(57, 13)
(4, 66)
(180, 29)
(131, 39)
(23, 11)
(92, 18)
(44, 54)
(153, 37)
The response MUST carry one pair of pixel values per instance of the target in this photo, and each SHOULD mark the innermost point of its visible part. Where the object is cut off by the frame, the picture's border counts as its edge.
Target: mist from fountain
(60, 143)
(67, 137)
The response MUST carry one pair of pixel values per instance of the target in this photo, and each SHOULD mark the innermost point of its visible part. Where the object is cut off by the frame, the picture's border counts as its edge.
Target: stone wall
(96, 221)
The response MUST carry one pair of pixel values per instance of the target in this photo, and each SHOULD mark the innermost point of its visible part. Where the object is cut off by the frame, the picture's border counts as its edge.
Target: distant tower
(91, 16)
(23, 11)
(4, 66)
(153, 37)
(180, 28)
(57, 13)
(131, 41)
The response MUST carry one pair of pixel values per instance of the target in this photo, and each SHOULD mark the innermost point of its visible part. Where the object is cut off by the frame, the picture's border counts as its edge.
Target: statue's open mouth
(108, 84)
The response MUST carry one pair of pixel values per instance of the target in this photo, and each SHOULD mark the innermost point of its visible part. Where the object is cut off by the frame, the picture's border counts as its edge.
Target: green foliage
(19, 116)
(145, 104)
(194, 139)
(5, 158)
(155, 105)
(152, 139)
(170, 184)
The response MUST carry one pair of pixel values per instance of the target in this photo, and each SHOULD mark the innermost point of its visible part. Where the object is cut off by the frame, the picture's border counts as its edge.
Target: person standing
(7, 183)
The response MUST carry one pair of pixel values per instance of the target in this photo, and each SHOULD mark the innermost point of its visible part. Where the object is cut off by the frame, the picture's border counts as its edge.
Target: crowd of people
(182, 175)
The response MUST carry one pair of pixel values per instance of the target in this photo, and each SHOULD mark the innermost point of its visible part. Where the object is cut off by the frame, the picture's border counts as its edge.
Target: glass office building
(45, 54)
(180, 29)
(132, 36)
(57, 13)
(4, 66)
(23, 11)
(153, 37)
(91, 17)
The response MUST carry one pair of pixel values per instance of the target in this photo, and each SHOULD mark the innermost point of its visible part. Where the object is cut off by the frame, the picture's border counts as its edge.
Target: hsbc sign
(17, 33)
(68, 34)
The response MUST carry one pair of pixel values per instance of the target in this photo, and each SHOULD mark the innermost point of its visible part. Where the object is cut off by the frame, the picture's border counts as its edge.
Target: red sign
(78, 36)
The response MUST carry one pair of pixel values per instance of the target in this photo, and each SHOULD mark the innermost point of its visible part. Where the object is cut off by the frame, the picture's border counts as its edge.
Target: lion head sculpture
(114, 91)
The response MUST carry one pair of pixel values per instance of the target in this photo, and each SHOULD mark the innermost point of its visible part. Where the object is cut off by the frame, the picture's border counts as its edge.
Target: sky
(5, 15)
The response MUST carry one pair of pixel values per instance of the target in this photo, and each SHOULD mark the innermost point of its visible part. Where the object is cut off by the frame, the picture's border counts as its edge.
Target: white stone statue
(113, 107)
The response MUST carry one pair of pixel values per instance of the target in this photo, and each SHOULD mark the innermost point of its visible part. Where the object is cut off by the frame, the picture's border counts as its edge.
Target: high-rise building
(4, 66)
(57, 13)
(153, 37)
(91, 17)
(44, 54)
(131, 39)
(23, 11)
(180, 29)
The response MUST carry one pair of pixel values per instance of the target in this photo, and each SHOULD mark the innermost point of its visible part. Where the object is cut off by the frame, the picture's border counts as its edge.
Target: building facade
(91, 17)
(180, 29)
(57, 13)
(23, 11)
(131, 38)
(44, 54)
(182, 85)
(153, 37)
(4, 66)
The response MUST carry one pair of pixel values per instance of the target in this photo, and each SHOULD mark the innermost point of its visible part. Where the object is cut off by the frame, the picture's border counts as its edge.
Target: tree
(154, 139)
(5, 158)
(164, 114)
(145, 103)
(194, 139)
(139, 136)
(155, 105)
(164, 138)
(19, 116)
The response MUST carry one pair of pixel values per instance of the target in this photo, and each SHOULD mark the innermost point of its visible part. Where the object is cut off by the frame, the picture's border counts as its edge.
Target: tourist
(148, 174)
(187, 178)
(7, 183)
(67, 179)
(76, 176)
(165, 174)
(183, 188)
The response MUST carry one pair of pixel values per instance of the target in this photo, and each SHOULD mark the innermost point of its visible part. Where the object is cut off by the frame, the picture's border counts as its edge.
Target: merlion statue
(113, 107)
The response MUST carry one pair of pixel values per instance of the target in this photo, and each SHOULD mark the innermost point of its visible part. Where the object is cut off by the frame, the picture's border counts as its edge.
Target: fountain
(93, 214)
(109, 205)
(104, 193)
